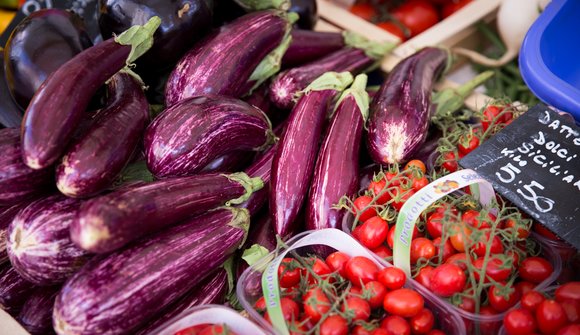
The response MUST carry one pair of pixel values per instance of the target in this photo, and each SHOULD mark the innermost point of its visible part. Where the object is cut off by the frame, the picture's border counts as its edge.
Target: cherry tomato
(524, 287)
(535, 269)
(519, 322)
(538, 228)
(514, 256)
(391, 237)
(355, 291)
(518, 229)
(376, 187)
(419, 183)
(334, 325)
(495, 270)
(393, 278)
(394, 324)
(490, 113)
(356, 232)
(467, 143)
(217, 329)
(459, 259)
(336, 262)
(488, 327)
(373, 232)
(361, 270)
(260, 304)
(423, 322)
(376, 291)
(319, 267)
(450, 161)
(471, 217)
(292, 292)
(417, 15)
(316, 304)
(496, 247)
(297, 328)
(393, 28)
(572, 310)
(383, 251)
(416, 164)
(499, 302)
(289, 272)
(569, 291)
(403, 302)
(422, 248)
(531, 300)
(447, 279)
(381, 331)
(360, 330)
(447, 251)
(290, 310)
(193, 330)
(467, 304)
(434, 224)
(570, 330)
(550, 316)
(356, 308)
(364, 11)
(436, 332)
(460, 237)
(453, 7)
(401, 196)
(360, 203)
(423, 276)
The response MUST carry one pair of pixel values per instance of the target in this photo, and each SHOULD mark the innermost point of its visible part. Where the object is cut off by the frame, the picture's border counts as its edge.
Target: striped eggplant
(97, 158)
(336, 172)
(36, 313)
(211, 291)
(14, 290)
(294, 160)
(192, 133)
(7, 214)
(18, 182)
(224, 62)
(230, 162)
(400, 112)
(10, 112)
(58, 105)
(260, 242)
(308, 45)
(359, 55)
(39, 244)
(121, 292)
(109, 222)
(261, 168)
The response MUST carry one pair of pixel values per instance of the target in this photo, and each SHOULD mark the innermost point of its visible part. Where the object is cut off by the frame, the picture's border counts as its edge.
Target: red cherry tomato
(260, 304)
(373, 232)
(550, 316)
(436, 332)
(423, 322)
(519, 322)
(334, 325)
(383, 251)
(568, 292)
(499, 302)
(468, 143)
(573, 329)
(496, 246)
(290, 310)
(377, 187)
(471, 217)
(450, 161)
(364, 11)
(453, 7)
(490, 114)
(460, 237)
(394, 324)
(518, 229)
(403, 302)
(289, 272)
(355, 291)
(401, 195)
(531, 300)
(356, 308)
(360, 330)
(538, 228)
(447, 279)
(572, 310)
(535, 269)
(393, 278)
(417, 165)
(315, 304)
(361, 203)
(524, 287)
(434, 224)
(467, 304)
(336, 262)
(495, 270)
(419, 183)
(193, 330)
(422, 248)
(217, 329)
(447, 251)
(423, 276)
(393, 28)
(376, 291)
(417, 15)
(361, 270)
(319, 267)
(459, 259)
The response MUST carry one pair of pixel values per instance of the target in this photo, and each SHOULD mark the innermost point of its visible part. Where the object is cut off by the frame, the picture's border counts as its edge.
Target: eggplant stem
(358, 91)
(250, 185)
(139, 38)
(372, 49)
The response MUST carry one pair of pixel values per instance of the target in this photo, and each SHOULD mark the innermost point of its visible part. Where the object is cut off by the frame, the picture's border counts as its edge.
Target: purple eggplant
(121, 292)
(336, 172)
(96, 159)
(36, 314)
(38, 46)
(18, 182)
(58, 105)
(230, 162)
(400, 112)
(10, 112)
(307, 46)
(39, 244)
(7, 214)
(14, 290)
(192, 133)
(260, 242)
(211, 291)
(294, 160)
(111, 221)
(224, 62)
(261, 168)
(307, 12)
(359, 55)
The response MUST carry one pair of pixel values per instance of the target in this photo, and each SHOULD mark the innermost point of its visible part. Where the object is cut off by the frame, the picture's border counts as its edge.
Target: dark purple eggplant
(261, 241)
(120, 292)
(294, 160)
(10, 112)
(94, 161)
(183, 22)
(261, 99)
(192, 133)
(14, 290)
(261, 168)
(224, 62)
(18, 182)
(230, 162)
(111, 221)
(400, 112)
(58, 105)
(7, 214)
(36, 313)
(336, 172)
(307, 13)
(38, 46)
(359, 55)
(211, 291)
(39, 243)
(307, 46)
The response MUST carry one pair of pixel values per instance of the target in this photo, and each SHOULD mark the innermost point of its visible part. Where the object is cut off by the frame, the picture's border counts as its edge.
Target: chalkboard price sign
(535, 163)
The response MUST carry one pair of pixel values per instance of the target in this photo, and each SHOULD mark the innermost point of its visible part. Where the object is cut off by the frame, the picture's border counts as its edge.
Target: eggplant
(109, 222)
(261, 168)
(400, 112)
(95, 160)
(7, 214)
(211, 291)
(40, 44)
(18, 182)
(58, 105)
(307, 46)
(261, 241)
(36, 313)
(230, 162)
(192, 133)
(336, 172)
(10, 112)
(14, 290)
(119, 293)
(224, 62)
(183, 22)
(294, 160)
(307, 12)
(359, 55)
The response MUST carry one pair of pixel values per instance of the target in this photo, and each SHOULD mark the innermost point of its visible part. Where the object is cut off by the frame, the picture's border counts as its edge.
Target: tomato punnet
(434, 224)
(447, 251)
(447, 279)
(499, 302)
(535, 269)
(360, 203)
(290, 310)
(459, 259)
(496, 246)
(289, 272)
(393, 28)
(524, 287)
(495, 270)
(417, 15)
(334, 325)
(376, 291)
(416, 164)
(315, 304)
(383, 251)
(423, 276)
(468, 143)
(550, 316)
(450, 161)
(394, 324)
(531, 300)
(403, 302)
(573, 329)
(361, 270)
(193, 330)
(518, 230)
(373, 232)
(568, 292)
(336, 262)
(519, 322)
(472, 218)
(364, 11)
(422, 248)
(423, 322)
(356, 308)
(393, 278)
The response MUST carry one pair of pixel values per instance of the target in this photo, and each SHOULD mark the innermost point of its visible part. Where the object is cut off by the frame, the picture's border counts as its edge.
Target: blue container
(550, 56)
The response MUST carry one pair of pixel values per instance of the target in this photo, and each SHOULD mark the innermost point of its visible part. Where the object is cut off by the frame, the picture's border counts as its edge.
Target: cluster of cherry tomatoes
(406, 19)
(348, 295)
(206, 329)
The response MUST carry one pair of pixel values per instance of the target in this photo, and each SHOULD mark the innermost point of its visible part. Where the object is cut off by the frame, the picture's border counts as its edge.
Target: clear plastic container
(322, 243)
(547, 292)
(213, 314)
(562, 248)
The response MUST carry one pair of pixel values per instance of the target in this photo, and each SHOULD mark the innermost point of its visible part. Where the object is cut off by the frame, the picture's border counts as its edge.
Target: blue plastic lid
(550, 56)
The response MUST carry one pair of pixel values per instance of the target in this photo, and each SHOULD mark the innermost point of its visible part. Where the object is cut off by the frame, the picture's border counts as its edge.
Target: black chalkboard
(535, 163)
